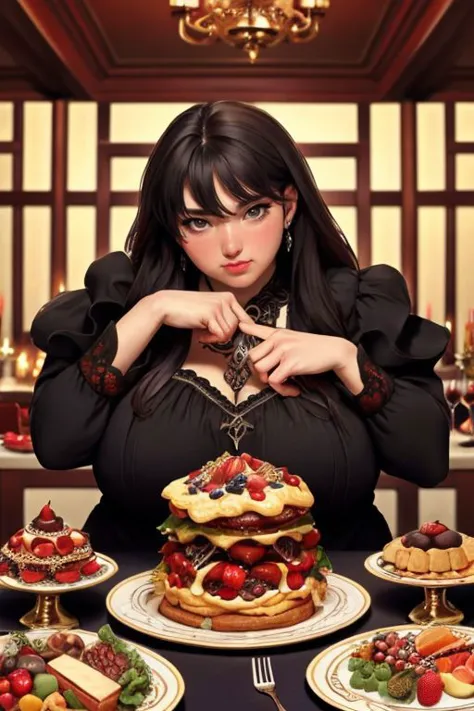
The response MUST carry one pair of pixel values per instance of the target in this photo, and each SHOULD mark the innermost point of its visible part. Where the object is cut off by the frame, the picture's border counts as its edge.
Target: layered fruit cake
(242, 550)
(433, 551)
(48, 549)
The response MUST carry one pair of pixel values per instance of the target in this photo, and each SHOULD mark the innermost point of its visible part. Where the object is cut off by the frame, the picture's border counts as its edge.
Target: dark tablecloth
(218, 680)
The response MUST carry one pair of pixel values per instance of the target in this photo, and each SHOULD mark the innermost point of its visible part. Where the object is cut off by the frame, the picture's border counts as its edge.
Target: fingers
(240, 313)
(265, 365)
(285, 389)
(254, 329)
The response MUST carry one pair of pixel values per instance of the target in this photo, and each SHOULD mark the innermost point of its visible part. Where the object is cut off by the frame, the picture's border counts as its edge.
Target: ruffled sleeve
(77, 386)
(410, 431)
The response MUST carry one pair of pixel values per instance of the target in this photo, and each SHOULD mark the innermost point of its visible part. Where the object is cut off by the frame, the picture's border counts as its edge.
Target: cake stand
(48, 610)
(436, 608)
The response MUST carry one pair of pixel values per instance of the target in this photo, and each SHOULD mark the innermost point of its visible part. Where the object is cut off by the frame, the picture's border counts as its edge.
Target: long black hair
(251, 155)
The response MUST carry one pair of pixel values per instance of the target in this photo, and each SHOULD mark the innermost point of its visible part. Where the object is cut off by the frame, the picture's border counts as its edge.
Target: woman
(241, 322)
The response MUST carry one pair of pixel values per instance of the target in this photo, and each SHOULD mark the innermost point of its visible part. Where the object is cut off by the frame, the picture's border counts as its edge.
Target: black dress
(73, 425)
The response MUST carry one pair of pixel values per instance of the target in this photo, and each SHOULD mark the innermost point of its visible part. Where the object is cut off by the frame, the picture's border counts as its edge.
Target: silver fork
(263, 679)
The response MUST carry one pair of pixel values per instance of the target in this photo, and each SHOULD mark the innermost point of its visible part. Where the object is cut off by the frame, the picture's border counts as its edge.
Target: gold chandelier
(248, 24)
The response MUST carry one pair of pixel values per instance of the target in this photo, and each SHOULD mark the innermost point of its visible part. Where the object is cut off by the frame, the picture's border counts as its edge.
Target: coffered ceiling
(129, 50)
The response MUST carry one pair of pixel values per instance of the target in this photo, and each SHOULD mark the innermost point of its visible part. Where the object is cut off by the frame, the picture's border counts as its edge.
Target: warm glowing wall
(69, 175)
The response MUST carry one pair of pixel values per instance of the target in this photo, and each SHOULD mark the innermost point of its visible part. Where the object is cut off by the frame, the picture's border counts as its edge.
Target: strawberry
(228, 593)
(295, 581)
(268, 572)
(194, 474)
(43, 550)
(429, 688)
(32, 576)
(234, 577)
(255, 482)
(175, 581)
(248, 553)
(302, 564)
(253, 462)
(65, 545)
(4, 568)
(67, 576)
(169, 548)
(216, 573)
(293, 480)
(176, 562)
(257, 495)
(90, 568)
(17, 539)
(227, 470)
(311, 539)
(47, 513)
(433, 528)
(26, 649)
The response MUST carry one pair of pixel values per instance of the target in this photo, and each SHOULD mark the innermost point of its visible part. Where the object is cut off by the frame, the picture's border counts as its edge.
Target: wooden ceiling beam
(426, 55)
(31, 38)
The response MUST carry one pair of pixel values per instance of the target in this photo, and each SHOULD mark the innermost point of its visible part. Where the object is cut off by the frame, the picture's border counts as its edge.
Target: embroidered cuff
(95, 364)
(378, 385)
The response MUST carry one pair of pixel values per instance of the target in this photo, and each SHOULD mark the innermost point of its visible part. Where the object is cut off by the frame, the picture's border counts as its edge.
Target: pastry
(47, 549)
(242, 551)
(433, 551)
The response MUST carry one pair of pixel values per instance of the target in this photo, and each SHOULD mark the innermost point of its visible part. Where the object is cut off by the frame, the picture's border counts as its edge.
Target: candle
(61, 287)
(448, 358)
(469, 334)
(6, 350)
(22, 366)
(429, 311)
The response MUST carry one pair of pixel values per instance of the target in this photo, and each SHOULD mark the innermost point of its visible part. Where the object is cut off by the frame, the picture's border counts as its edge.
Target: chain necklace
(264, 309)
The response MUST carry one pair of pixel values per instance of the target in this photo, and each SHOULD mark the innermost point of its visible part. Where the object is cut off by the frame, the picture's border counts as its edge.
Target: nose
(231, 241)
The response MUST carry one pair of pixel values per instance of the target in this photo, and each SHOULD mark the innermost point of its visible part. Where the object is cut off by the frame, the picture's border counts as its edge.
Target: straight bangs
(239, 170)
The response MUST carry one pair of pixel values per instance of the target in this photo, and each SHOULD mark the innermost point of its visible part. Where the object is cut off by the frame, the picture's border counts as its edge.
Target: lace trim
(236, 427)
(95, 364)
(378, 385)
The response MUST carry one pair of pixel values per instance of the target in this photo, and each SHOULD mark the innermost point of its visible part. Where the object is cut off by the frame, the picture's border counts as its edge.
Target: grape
(399, 665)
(381, 645)
(402, 654)
(379, 657)
(414, 658)
(391, 639)
(390, 660)
(392, 652)
(420, 670)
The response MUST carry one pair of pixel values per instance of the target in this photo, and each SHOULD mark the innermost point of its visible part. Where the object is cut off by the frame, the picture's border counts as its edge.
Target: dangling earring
(182, 262)
(288, 240)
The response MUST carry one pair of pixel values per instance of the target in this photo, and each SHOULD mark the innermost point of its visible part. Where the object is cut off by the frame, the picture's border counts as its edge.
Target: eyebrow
(199, 211)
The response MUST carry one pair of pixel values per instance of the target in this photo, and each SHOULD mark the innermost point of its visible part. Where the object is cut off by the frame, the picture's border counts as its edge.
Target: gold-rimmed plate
(108, 568)
(373, 564)
(167, 687)
(328, 676)
(134, 603)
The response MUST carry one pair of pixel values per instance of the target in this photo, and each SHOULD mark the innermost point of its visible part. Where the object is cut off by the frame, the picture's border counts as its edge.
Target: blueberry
(233, 489)
(192, 490)
(216, 494)
(276, 485)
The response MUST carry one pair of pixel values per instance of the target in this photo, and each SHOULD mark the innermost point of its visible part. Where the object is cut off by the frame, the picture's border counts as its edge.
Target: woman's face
(238, 250)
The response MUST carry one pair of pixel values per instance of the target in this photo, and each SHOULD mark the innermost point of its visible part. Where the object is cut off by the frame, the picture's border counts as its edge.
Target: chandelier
(249, 25)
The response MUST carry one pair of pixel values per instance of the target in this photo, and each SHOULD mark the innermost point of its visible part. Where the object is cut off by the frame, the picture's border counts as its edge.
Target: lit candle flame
(449, 325)
(22, 365)
(6, 350)
(61, 287)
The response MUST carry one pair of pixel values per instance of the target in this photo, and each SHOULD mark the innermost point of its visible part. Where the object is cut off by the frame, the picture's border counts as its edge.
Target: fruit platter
(422, 667)
(434, 557)
(55, 670)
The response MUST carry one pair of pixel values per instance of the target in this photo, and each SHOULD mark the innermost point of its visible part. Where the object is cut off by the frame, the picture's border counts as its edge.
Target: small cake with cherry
(47, 549)
(433, 551)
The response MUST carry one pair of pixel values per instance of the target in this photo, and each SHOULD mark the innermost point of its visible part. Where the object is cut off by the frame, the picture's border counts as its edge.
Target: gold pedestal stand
(48, 612)
(436, 609)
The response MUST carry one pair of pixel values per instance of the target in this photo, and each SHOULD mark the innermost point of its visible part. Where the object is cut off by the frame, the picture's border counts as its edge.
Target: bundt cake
(433, 551)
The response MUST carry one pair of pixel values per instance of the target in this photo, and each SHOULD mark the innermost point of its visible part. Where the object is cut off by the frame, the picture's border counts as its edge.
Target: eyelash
(265, 207)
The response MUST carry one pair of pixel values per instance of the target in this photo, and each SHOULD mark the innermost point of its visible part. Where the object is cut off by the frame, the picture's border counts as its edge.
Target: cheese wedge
(93, 689)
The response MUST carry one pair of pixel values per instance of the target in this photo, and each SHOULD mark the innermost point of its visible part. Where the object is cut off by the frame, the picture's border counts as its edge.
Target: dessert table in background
(220, 679)
(19, 471)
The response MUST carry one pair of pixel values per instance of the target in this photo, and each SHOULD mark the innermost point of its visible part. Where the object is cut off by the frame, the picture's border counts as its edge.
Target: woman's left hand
(285, 353)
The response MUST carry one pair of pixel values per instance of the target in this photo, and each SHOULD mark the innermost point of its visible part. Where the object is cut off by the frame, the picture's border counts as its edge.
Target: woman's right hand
(216, 313)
